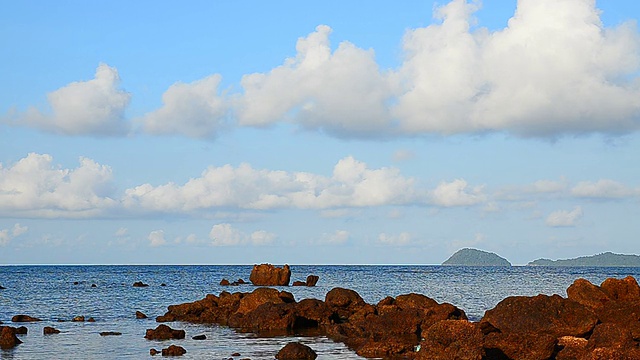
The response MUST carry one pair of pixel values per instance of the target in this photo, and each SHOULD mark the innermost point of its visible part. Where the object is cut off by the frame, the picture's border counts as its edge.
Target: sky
(317, 132)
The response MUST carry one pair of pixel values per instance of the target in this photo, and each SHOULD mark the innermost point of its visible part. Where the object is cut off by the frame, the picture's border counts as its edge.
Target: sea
(56, 294)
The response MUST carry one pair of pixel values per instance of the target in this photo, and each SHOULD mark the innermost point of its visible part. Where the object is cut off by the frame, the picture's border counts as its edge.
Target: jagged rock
(451, 339)
(312, 280)
(174, 350)
(110, 333)
(140, 315)
(24, 318)
(164, 332)
(269, 275)
(139, 284)
(296, 351)
(48, 330)
(8, 338)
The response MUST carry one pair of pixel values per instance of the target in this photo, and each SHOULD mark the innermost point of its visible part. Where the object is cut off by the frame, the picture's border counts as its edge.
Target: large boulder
(261, 296)
(584, 292)
(8, 338)
(626, 289)
(296, 351)
(269, 275)
(451, 339)
(164, 332)
(312, 280)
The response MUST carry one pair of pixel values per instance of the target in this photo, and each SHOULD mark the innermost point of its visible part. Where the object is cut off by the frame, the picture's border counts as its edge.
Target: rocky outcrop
(269, 275)
(174, 350)
(24, 318)
(296, 351)
(164, 332)
(8, 338)
(312, 280)
(48, 330)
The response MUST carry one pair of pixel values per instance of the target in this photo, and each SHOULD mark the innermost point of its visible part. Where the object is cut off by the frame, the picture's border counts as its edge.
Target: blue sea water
(49, 293)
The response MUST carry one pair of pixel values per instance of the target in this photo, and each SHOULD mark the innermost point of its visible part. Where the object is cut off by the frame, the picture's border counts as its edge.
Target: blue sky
(223, 132)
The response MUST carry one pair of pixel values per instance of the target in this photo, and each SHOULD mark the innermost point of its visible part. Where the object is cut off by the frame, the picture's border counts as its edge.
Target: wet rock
(269, 275)
(76, 283)
(296, 351)
(451, 339)
(94, 285)
(140, 315)
(78, 319)
(312, 280)
(8, 338)
(164, 332)
(24, 318)
(224, 282)
(199, 337)
(299, 283)
(139, 284)
(163, 284)
(48, 330)
(22, 330)
(236, 354)
(261, 296)
(110, 333)
(153, 352)
(174, 350)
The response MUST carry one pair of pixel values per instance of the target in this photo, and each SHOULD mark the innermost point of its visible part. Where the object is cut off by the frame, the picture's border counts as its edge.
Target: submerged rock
(200, 337)
(296, 351)
(110, 333)
(269, 275)
(48, 330)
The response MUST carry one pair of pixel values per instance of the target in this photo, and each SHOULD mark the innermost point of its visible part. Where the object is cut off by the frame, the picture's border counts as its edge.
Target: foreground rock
(8, 338)
(163, 332)
(269, 275)
(296, 351)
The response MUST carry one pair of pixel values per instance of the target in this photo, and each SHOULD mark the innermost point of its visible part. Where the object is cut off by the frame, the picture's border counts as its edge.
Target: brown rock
(140, 315)
(24, 318)
(21, 330)
(224, 282)
(312, 280)
(584, 292)
(174, 350)
(269, 275)
(91, 319)
(451, 339)
(164, 332)
(344, 302)
(110, 333)
(153, 352)
(571, 348)
(519, 345)
(139, 284)
(626, 289)
(8, 338)
(299, 283)
(261, 296)
(296, 351)
(78, 319)
(48, 330)
(610, 336)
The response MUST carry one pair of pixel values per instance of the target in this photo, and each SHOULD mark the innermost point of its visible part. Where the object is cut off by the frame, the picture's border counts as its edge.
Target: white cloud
(94, 107)
(456, 193)
(121, 232)
(156, 238)
(563, 218)
(6, 235)
(194, 110)
(35, 187)
(403, 238)
(338, 237)
(227, 235)
(603, 189)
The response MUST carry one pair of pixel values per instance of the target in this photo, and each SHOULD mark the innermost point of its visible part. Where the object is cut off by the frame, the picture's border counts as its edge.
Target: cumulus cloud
(6, 235)
(94, 107)
(227, 235)
(195, 109)
(603, 189)
(403, 238)
(457, 193)
(563, 218)
(34, 186)
(156, 238)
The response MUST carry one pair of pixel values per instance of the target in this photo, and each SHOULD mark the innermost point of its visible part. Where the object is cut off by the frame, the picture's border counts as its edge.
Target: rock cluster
(269, 275)
(593, 322)
(312, 280)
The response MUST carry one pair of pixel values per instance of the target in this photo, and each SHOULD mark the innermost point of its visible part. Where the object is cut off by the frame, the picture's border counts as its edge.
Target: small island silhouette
(475, 257)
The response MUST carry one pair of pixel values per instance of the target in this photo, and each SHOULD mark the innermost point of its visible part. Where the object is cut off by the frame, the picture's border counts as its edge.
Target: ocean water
(49, 293)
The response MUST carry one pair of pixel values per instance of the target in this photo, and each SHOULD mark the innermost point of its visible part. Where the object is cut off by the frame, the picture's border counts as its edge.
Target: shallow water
(49, 293)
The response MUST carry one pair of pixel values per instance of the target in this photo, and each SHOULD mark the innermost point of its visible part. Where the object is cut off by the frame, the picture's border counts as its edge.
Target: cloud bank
(554, 70)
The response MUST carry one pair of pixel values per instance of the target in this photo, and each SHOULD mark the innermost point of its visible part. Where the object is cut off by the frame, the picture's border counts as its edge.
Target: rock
(48, 330)
(236, 354)
(110, 333)
(224, 282)
(174, 350)
(76, 283)
(78, 319)
(94, 285)
(571, 348)
(153, 352)
(521, 346)
(140, 315)
(344, 301)
(21, 330)
(584, 292)
(24, 318)
(91, 320)
(163, 284)
(299, 283)
(269, 275)
(451, 339)
(139, 284)
(8, 338)
(240, 282)
(626, 289)
(199, 337)
(164, 332)
(261, 296)
(312, 280)
(2, 287)
(296, 351)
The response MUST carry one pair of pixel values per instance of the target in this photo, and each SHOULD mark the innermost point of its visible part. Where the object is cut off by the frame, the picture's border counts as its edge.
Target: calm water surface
(49, 293)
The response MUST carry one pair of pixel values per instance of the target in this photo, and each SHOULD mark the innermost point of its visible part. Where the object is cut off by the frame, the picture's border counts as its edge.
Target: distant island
(605, 259)
(474, 257)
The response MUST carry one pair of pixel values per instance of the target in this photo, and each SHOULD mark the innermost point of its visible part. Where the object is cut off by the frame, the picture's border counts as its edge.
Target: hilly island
(475, 257)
